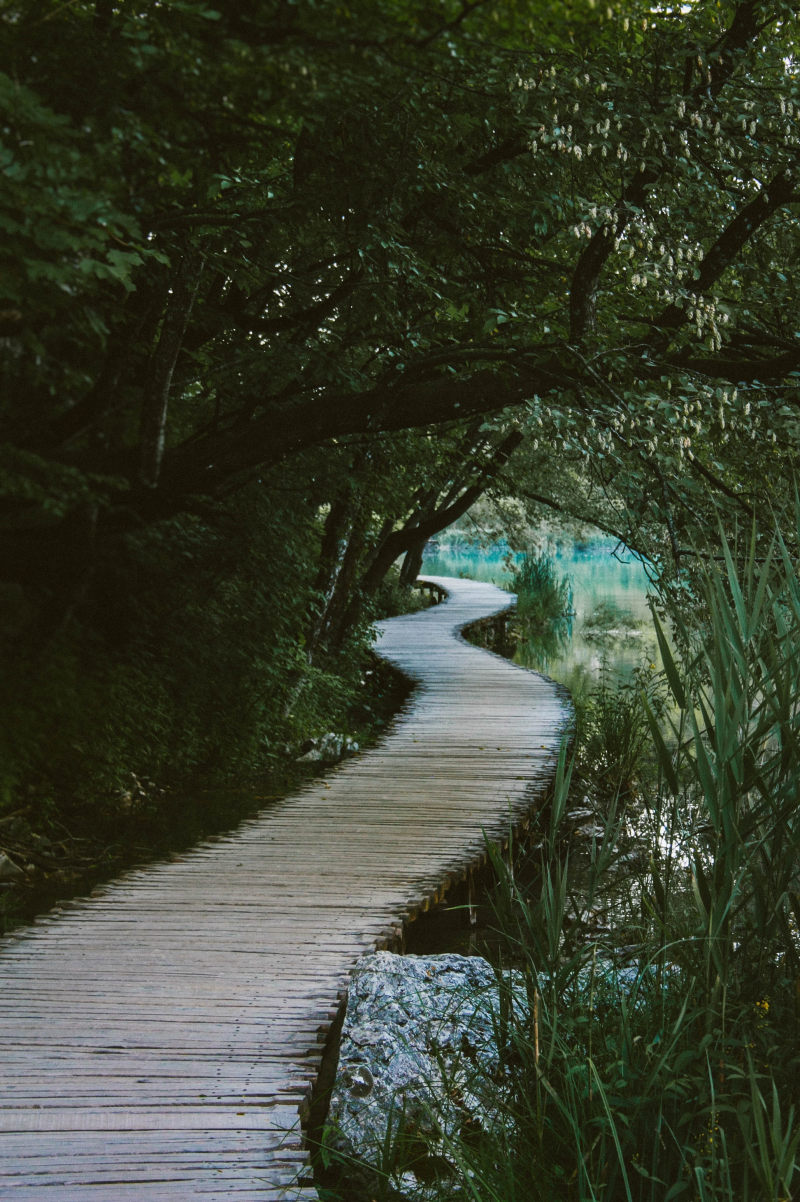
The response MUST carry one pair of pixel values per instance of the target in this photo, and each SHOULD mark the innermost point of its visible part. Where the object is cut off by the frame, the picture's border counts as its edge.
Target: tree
(236, 264)
(370, 250)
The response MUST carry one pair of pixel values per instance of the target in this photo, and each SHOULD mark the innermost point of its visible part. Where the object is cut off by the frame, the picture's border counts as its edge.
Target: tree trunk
(162, 365)
(334, 543)
(337, 620)
(412, 563)
(401, 541)
(71, 571)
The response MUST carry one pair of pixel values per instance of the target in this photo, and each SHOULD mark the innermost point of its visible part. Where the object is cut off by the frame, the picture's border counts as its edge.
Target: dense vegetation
(287, 286)
(543, 595)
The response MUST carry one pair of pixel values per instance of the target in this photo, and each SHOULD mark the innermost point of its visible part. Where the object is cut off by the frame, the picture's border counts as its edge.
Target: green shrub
(394, 598)
(186, 661)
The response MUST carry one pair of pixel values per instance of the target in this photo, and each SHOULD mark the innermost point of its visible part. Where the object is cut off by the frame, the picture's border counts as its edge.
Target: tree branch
(591, 519)
(742, 371)
(743, 29)
(779, 191)
(401, 541)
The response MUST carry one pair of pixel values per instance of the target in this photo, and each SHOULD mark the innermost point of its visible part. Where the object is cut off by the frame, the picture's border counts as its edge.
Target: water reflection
(549, 644)
(611, 630)
(491, 565)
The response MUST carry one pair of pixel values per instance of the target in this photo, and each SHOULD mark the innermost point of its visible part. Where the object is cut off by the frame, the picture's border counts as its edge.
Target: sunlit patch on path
(159, 1040)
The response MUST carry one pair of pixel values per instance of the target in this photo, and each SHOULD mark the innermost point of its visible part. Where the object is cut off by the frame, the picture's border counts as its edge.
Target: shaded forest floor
(58, 851)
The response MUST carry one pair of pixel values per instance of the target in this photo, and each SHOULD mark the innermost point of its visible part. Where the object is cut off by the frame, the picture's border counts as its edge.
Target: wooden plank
(158, 1040)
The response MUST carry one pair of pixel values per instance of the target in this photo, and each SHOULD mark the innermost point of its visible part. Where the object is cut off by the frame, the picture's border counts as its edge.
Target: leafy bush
(394, 598)
(184, 661)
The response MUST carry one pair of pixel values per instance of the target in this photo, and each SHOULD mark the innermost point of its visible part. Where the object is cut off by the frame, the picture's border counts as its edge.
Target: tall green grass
(543, 594)
(662, 1062)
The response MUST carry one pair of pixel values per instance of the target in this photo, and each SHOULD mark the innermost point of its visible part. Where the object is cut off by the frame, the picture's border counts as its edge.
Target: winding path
(158, 1039)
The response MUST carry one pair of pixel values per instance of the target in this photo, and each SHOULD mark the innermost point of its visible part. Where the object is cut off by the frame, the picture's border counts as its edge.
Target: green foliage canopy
(235, 234)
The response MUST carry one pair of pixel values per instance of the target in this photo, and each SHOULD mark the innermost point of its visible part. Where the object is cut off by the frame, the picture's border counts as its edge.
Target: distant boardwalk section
(159, 1040)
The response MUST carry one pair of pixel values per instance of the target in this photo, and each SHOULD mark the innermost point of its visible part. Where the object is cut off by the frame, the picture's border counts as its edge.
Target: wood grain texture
(159, 1040)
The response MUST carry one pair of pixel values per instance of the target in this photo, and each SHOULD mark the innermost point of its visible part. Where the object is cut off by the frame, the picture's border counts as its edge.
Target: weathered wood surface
(158, 1040)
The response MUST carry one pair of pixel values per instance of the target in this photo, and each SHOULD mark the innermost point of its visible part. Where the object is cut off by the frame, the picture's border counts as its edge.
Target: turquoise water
(611, 631)
(474, 563)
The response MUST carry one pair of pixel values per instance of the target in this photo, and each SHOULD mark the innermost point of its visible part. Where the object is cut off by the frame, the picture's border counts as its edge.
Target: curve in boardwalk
(158, 1039)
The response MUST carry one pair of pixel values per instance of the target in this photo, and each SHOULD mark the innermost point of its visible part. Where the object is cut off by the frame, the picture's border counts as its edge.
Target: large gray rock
(420, 1064)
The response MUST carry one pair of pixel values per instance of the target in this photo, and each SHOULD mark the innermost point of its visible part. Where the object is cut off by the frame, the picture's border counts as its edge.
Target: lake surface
(611, 631)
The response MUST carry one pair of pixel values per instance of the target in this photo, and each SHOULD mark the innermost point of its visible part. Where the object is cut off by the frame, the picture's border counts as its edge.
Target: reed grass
(543, 594)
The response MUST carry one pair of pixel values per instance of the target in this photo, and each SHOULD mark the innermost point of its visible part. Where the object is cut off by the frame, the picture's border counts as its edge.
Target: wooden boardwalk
(159, 1039)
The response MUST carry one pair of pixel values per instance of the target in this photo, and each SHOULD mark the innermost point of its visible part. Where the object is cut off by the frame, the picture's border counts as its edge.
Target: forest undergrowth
(188, 704)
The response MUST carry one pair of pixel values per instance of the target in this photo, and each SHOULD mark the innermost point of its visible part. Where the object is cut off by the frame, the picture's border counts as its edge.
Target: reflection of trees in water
(538, 646)
(530, 645)
(611, 631)
(574, 650)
